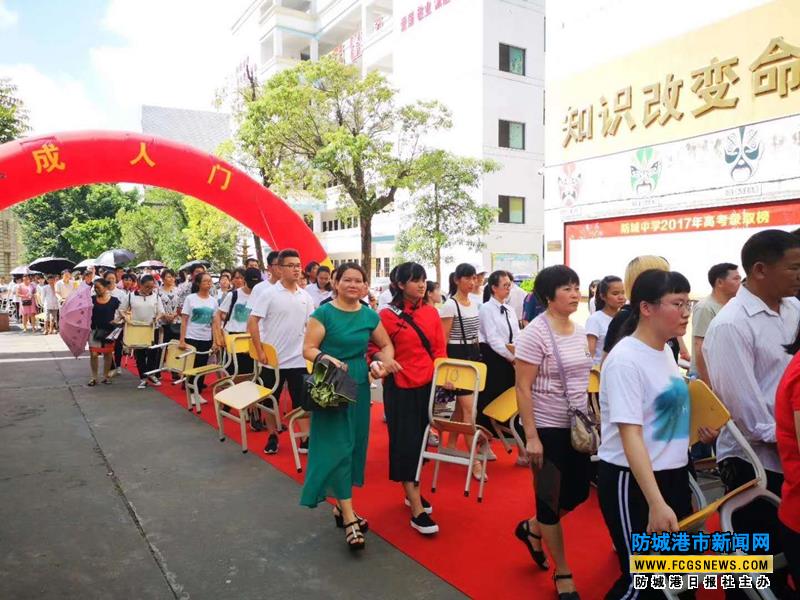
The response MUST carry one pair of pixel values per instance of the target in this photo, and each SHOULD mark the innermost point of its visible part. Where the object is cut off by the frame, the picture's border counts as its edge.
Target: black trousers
(245, 363)
(146, 360)
(293, 377)
(562, 484)
(499, 377)
(625, 511)
(406, 418)
(200, 360)
(118, 352)
(758, 517)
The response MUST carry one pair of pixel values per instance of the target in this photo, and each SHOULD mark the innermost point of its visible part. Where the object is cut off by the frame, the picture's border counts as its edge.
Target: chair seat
(204, 370)
(242, 395)
(696, 520)
(504, 407)
(459, 427)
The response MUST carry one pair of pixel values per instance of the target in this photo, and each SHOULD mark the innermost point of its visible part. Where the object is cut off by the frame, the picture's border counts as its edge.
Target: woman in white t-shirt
(461, 323)
(609, 298)
(197, 316)
(552, 375)
(643, 475)
(233, 312)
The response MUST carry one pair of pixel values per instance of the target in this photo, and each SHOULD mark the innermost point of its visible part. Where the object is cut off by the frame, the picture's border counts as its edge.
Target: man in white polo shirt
(278, 317)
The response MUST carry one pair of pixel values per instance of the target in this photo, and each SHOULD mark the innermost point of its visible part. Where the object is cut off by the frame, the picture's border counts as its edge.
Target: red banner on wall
(774, 214)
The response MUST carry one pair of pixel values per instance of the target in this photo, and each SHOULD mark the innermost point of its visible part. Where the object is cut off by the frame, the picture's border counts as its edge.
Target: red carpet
(475, 550)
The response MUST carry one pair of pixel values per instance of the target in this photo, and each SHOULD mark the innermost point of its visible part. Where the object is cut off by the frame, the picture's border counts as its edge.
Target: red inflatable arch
(31, 167)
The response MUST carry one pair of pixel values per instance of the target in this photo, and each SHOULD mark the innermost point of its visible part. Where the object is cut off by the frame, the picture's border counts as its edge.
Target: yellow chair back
(461, 373)
(503, 407)
(137, 335)
(269, 351)
(173, 363)
(237, 343)
(706, 409)
(594, 381)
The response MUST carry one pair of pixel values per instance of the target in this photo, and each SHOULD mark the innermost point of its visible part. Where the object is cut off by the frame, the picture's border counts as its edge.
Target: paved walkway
(111, 492)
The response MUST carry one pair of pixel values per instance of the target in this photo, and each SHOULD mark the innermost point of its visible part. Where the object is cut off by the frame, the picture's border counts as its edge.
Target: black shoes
(424, 524)
(272, 444)
(524, 534)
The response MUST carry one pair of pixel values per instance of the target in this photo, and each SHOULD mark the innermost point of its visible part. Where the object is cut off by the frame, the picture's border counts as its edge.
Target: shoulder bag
(584, 435)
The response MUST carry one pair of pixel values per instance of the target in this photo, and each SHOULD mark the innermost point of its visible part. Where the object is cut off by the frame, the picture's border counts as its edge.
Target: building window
(512, 59)
(512, 135)
(324, 226)
(377, 267)
(386, 268)
(512, 209)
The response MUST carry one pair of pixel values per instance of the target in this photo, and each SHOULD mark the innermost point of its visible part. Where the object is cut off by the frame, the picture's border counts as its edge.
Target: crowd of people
(745, 338)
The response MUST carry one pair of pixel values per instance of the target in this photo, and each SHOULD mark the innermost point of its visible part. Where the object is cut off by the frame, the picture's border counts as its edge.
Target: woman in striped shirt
(461, 325)
(552, 375)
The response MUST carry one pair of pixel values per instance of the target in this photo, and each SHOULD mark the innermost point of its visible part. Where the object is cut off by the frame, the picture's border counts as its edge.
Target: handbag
(584, 434)
(327, 387)
(471, 351)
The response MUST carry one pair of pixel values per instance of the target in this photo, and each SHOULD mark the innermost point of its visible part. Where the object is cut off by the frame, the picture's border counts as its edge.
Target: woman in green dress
(337, 451)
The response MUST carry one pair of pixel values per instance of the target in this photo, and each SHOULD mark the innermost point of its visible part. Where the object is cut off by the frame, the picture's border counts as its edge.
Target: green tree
(210, 234)
(45, 219)
(93, 237)
(444, 214)
(337, 128)
(13, 116)
(155, 232)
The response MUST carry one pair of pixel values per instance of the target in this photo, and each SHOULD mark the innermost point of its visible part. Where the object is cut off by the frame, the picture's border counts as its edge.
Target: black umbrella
(51, 264)
(115, 257)
(192, 263)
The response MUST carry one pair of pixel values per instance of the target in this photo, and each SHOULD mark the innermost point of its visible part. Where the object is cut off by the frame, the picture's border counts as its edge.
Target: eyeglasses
(679, 306)
(292, 266)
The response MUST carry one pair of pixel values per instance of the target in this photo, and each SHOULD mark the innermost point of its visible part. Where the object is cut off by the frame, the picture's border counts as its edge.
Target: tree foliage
(46, 219)
(93, 237)
(13, 116)
(334, 127)
(444, 214)
(210, 234)
(155, 232)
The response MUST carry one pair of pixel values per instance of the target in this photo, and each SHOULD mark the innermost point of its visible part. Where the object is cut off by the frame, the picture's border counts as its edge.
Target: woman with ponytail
(609, 299)
(643, 474)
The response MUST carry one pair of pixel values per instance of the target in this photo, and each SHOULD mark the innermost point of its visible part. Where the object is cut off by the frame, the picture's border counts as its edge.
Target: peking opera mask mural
(645, 171)
(742, 151)
(569, 184)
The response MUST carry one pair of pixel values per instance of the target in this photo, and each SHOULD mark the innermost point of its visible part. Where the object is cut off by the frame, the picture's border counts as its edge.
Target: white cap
(480, 269)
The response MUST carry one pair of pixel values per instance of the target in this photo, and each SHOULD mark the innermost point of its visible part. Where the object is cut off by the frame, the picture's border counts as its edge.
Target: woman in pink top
(545, 394)
(27, 303)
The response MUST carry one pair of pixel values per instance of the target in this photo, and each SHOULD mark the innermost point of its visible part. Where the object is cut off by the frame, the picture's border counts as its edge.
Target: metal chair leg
(218, 410)
(243, 429)
(422, 453)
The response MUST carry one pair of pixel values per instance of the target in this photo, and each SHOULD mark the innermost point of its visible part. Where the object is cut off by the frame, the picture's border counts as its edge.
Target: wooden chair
(243, 396)
(463, 375)
(137, 336)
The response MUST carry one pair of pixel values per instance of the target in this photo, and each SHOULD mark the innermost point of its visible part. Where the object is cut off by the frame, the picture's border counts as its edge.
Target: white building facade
(483, 59)
(679, 139)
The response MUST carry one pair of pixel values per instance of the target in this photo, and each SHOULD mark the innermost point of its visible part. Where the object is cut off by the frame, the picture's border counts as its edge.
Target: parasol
(51, 264)
(192, 263)
(152, 264)
(75, 320)
(24, 270)
(115, 257)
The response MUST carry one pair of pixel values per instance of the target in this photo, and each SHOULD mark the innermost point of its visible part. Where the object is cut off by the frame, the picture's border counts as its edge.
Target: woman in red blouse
(416, 332)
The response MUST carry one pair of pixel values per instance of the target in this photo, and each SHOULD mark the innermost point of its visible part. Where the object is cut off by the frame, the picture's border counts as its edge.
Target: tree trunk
(366, 244)
(259, 251)
(436, 230)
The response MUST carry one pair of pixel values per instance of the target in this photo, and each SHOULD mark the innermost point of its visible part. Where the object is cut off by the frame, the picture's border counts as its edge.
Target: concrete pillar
(315, 49)
(277, 43)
